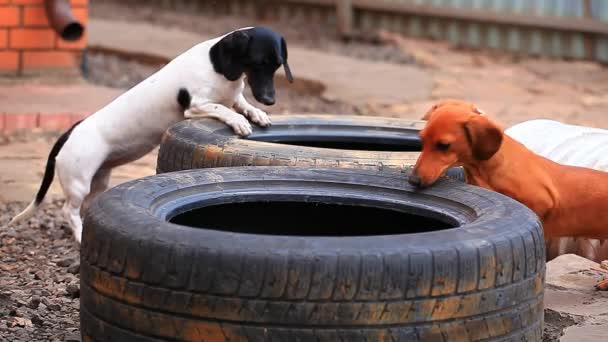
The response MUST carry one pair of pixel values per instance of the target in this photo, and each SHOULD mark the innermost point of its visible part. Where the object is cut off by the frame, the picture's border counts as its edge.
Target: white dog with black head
(206, 81)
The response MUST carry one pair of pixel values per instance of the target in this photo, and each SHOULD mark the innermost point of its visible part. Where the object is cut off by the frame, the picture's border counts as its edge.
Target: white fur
(132, 125)
(565, 144)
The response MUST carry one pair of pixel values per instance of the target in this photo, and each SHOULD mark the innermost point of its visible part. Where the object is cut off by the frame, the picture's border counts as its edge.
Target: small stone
(50, 305)
(21, 322)
(74, 269)
(65, 262)
(34, 302)
(39, 275)
(72, 337)
(37, 320)
(4, 311)
(54, 307)
(73, 290)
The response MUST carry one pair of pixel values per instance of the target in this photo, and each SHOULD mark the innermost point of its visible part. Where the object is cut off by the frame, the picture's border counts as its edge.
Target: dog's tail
(47, 179)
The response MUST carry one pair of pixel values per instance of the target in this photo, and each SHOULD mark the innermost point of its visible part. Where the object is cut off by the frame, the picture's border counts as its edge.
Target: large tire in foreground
(294, 140)
(264, 264)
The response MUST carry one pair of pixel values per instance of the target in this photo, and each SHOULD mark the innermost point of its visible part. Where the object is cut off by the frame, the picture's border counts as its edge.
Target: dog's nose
(414, 180)
(267, 100)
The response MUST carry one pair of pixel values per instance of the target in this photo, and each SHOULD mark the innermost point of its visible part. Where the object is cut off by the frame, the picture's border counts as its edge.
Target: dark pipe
(62, 19)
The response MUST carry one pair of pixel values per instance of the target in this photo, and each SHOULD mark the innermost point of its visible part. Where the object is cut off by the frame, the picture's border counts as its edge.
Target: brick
(49, 59)
(75, 117)
(55, 121)
(79, 2)
(9, 60)
(31, 38)
(9, 16)
(35, 16)
(27, 2)
(3, 38)
(16, 122)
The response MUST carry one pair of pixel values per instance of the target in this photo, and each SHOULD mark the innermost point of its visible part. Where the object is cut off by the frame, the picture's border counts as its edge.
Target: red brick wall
(28, 43)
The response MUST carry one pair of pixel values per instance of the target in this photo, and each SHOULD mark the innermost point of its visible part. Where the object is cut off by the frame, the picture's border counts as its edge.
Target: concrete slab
(79, 97)
(586, 333)
(573, 272)
(577, 303)
(574, 311)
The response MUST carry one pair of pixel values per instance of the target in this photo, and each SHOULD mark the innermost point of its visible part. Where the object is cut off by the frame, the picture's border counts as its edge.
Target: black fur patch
(49, 172)
(183, 98)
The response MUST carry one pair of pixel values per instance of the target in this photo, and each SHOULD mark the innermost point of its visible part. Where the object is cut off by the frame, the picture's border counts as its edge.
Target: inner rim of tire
(310, 216)
(348, 140)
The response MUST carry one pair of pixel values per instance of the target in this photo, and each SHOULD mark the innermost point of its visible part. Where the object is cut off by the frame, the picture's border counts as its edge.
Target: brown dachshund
(570, 201)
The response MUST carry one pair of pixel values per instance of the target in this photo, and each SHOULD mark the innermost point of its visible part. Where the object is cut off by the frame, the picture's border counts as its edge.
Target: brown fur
(570, 201)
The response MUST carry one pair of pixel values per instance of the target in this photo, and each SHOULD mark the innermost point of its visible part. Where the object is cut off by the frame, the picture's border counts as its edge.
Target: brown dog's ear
(476, 110)
(452, 102)
(428, 114)
(484, 136)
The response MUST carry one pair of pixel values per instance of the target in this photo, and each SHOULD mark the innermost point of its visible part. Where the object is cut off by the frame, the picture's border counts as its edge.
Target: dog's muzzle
(415, 180)
(267, 100)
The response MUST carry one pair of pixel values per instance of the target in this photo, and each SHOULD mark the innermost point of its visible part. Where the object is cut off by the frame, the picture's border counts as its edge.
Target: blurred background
(61, 60)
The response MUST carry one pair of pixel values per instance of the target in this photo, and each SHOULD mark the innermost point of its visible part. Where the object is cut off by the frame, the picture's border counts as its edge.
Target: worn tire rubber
(144, 279)
(206, 143)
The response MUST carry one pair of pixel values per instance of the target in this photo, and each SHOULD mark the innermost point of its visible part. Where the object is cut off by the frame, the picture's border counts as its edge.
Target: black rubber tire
(144, 279)
(206, 143)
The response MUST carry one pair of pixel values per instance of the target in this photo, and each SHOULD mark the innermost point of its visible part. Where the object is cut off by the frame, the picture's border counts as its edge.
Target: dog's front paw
(258, 116)
(240, 125)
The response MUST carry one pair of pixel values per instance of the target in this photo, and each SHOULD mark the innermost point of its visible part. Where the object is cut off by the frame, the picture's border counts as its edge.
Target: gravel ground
(39, 285)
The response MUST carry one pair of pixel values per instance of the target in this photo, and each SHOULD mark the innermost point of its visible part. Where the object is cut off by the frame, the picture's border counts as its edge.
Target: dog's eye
(443, 146)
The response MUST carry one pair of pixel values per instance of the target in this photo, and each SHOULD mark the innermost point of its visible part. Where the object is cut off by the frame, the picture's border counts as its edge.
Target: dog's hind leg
(75, 191)
(76, 184)
(99, 184)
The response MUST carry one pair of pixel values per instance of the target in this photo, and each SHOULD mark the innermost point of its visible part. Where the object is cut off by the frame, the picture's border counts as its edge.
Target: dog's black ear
(228, 55)
(483, 136)
(285, 64)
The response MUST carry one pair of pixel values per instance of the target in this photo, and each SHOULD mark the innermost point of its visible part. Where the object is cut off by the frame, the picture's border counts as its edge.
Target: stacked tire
(147, 276)
(297, 140)
(146, 279)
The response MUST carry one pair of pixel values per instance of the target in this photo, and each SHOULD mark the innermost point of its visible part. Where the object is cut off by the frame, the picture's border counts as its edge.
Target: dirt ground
(38, 259)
